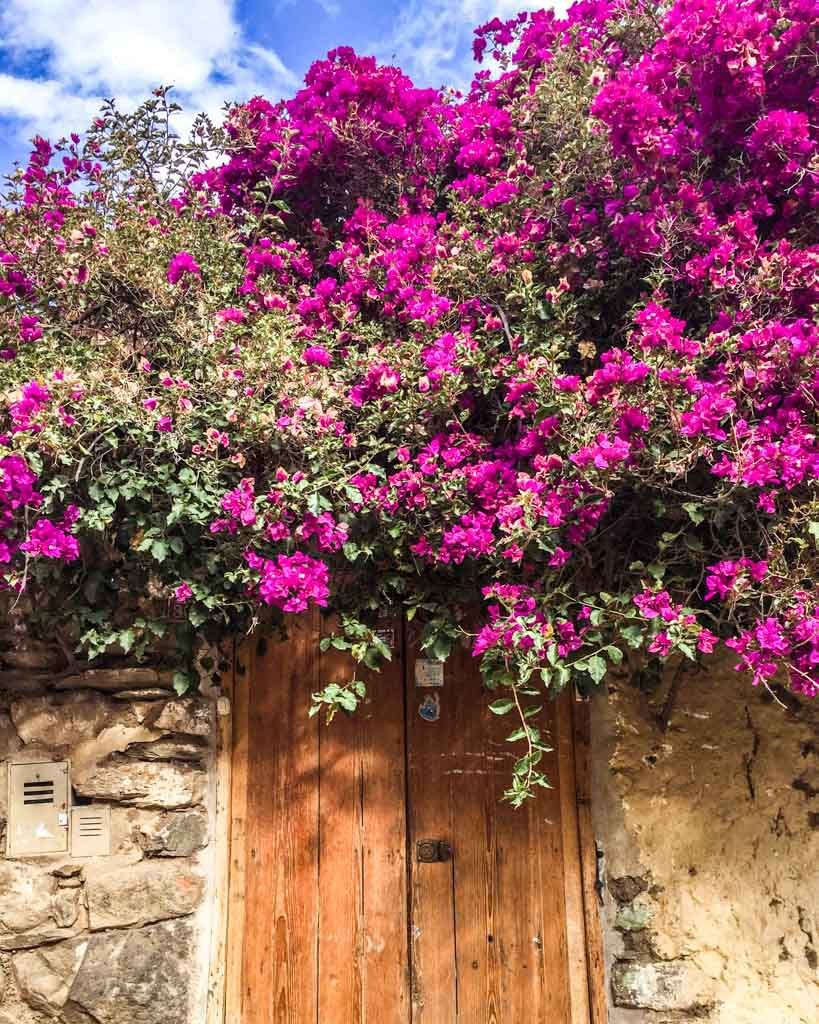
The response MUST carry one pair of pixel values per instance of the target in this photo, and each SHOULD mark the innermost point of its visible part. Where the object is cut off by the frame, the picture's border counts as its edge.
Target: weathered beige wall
(711, 837)
(125, 938)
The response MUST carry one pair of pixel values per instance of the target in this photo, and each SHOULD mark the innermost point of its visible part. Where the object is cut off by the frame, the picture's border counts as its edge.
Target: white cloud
(432, 39)
(124, 48)
(46, 104)
(332, 8)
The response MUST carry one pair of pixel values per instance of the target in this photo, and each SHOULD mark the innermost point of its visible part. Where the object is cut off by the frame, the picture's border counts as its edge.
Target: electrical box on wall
(90, 831)
(39, 795)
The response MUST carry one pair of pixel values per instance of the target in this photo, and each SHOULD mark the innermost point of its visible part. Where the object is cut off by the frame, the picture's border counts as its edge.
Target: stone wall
(710, 832)
(120, 939)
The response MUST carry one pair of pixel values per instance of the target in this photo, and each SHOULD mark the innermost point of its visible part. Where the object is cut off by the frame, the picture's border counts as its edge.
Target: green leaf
(441, 647)
(159, 550)
(615, 655)
(633, 635)
(502, 706)
(694, 510)
(127, 639)
(181, 682)
(597, 667)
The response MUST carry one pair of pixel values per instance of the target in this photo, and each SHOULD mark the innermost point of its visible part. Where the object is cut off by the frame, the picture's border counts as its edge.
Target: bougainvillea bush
(549, 348)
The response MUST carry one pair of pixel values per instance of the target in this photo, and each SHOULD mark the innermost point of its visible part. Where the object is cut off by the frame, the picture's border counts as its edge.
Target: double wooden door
(376, 876)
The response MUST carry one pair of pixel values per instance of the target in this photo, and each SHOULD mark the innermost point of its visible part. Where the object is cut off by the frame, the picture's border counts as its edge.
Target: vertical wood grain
(333, 917)
(281, 937)
(573, 879)
(223, 759)
(479, 943)
(595, 956)
(362, 870)
(242, 675)
(526, 967)
(432, 892)
(546, 849)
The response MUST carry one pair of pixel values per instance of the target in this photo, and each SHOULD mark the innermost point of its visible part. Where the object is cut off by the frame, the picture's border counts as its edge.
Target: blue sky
(59, 57)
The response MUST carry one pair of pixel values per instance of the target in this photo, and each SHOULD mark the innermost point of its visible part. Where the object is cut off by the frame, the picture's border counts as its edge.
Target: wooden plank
(546, 851)
(281, 935)
(384, 844)
(595, 956)
(432, 894)
(572, 871)
(516, 956)
(479, 942)
(340, 882)
(520, 918)
(536, 983)
(223, 757)
(362, 867)
(242, 674)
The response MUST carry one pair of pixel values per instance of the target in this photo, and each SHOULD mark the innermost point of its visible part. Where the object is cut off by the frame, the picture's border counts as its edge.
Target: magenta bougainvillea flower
(548, 347)
(183, 265)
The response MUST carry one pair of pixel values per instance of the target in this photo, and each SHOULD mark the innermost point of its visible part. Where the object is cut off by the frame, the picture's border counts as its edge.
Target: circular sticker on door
(430, 709)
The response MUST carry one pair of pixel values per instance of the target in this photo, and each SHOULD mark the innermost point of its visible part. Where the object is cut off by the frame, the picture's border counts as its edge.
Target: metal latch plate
(432, 851)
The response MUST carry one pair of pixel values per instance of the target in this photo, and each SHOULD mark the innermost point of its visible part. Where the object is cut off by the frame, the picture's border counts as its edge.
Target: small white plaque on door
(429, 673)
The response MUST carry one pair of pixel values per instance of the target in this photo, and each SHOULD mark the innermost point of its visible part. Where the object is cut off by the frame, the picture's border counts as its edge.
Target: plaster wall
(710, 832)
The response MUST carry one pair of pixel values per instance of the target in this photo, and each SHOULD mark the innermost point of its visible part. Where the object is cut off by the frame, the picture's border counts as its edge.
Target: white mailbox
(39, 806)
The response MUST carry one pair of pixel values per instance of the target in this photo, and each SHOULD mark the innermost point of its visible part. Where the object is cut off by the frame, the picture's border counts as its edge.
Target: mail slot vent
(39, 792)
(90, 832)
(39, 805)
(89, 825)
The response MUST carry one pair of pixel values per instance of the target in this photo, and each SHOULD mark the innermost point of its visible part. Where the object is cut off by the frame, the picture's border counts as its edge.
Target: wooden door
(336, 917)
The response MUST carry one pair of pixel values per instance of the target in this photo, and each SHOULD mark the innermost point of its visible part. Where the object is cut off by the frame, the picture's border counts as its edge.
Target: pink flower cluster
(478, 367)
(790, 637)
(45, 539)
(290, 582)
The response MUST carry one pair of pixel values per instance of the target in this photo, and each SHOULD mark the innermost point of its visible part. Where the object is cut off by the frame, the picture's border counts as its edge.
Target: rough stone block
(23, 684)
(10, 742)
(44, 976)
(158, 784)
(138, 977)
(63, 720)
(174, 835)
(189, 715)
(169, 748)
(110, 679)
(142, 894)
(66, 905)
(659, 985)
(30, 656)
(146, 693)
(33, 910)
(635, 916)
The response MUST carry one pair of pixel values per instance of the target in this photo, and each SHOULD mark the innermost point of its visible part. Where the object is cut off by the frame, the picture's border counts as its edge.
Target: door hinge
(599, 870)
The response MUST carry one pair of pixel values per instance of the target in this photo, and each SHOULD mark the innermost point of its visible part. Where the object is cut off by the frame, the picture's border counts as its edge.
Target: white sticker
(429, 673)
